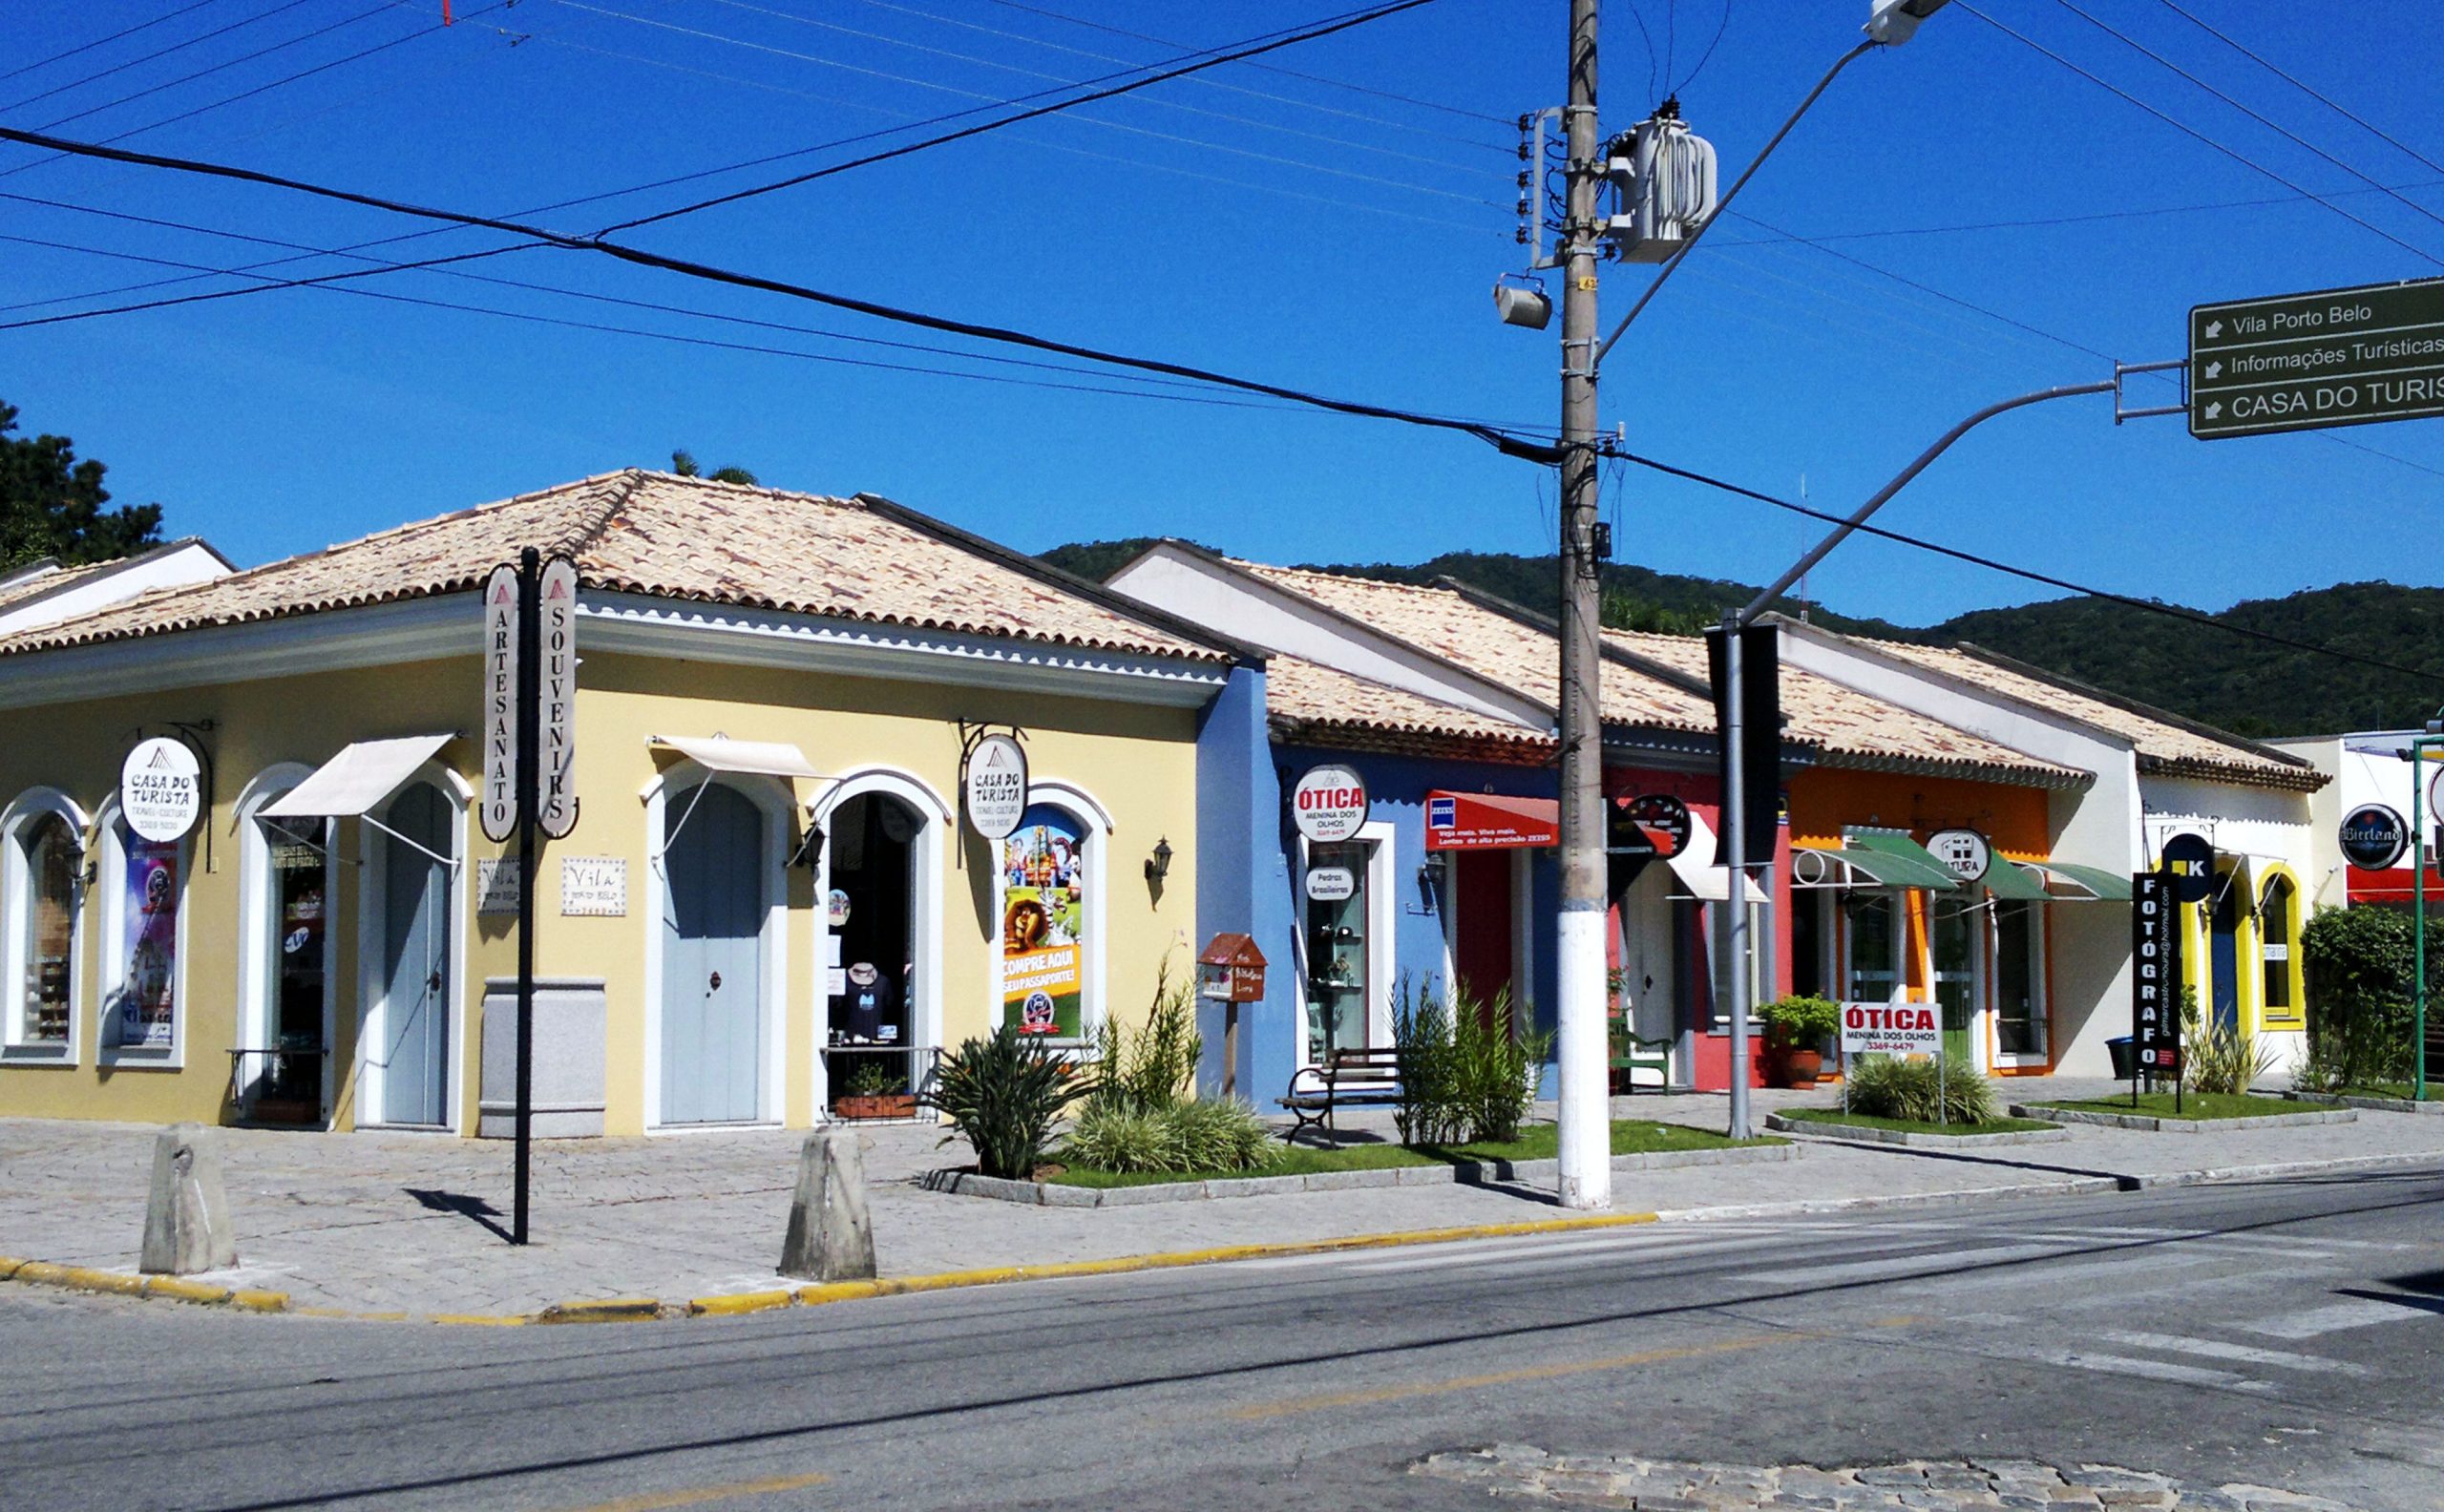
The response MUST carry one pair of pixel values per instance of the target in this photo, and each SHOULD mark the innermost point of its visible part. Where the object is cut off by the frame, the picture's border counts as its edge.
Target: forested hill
(2239, 684)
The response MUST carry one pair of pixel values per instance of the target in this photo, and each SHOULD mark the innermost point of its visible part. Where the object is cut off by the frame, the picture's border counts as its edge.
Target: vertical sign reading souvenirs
(556, 805)
(2155, 962)
(500, 703)
(1043, 923)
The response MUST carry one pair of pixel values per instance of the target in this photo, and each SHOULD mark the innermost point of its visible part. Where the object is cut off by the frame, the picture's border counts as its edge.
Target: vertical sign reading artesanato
(502, 712)
(556, 805)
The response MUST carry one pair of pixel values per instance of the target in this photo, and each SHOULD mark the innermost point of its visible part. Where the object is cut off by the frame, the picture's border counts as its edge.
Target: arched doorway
(714, 866)
(408, 1054)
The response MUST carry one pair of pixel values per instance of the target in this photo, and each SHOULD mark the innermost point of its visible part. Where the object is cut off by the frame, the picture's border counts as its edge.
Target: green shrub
(2362, 966)
(1805, 1021)
(2220, 1057)
(1467, 1070)
(1003, 1095)
(1153, 1066)
(1893, 1087)
(1219, 1134)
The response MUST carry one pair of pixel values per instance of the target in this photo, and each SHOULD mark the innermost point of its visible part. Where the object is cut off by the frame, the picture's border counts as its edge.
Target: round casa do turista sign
(996, 788)
(161, 788)
(1329, 803)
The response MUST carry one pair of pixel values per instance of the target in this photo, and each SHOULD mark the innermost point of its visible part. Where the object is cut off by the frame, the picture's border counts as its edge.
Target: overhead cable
(2327, 100)
(105, 41)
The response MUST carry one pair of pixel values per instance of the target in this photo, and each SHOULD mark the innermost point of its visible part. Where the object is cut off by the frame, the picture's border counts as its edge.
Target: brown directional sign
(2307, 361)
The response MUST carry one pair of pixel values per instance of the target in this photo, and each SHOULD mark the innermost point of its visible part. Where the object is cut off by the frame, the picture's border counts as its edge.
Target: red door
(1481, 932)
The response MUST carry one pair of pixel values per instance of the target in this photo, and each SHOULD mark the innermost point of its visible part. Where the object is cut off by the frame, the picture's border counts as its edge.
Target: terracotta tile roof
(667, 537)
(2165, 743)
(49, 579)
(1492, 644)
(1321, 703)
(1857, 729)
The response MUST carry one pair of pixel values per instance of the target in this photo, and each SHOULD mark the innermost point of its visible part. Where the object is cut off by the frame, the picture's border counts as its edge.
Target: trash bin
(2125, 1056)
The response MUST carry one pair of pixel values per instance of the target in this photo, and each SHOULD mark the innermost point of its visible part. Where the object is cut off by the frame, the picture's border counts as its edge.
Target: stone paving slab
(389, 1221)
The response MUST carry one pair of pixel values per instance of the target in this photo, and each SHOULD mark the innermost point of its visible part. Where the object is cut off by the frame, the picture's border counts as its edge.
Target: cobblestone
(1520, 1473)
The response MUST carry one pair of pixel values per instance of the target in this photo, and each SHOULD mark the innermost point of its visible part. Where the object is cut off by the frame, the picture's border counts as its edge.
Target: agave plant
(1003, 1095)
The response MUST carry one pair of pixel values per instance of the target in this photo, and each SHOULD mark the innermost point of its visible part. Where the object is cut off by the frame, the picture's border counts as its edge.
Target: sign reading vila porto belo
(1893, 1028)
(500, 703)
(1329, 803)
(2304, 361)
(161, 788)
(996, 786)
(2155, 968)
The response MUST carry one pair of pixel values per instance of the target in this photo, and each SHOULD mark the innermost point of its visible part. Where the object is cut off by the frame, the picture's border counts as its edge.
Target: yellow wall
(2197, 961)
(1138, 763)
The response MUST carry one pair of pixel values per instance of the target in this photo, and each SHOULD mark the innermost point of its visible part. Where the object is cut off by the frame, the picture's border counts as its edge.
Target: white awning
(720, 753)
(1711, 883)
(357, 779)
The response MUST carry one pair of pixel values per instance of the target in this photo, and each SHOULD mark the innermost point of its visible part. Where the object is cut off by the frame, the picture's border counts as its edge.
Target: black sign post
(530, 771)
(2155, 1003)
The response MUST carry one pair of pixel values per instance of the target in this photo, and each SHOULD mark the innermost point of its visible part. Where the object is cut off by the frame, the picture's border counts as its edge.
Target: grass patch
(2006, 1125)
(1536, 1141)
(2193, 1106)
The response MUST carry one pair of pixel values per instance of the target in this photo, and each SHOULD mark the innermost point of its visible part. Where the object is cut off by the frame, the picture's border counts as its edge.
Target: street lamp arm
(1882, 495)
(1724, 204)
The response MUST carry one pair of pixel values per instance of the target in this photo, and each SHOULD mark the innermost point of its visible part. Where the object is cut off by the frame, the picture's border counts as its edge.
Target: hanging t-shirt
(870, 1008)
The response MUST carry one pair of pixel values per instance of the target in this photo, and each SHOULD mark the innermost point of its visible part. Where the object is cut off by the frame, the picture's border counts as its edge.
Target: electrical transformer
(1663, 188)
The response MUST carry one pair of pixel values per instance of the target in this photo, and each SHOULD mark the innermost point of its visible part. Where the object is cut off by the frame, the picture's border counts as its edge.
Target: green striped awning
(1888, 860)
(2095, 882)
(2010, 879)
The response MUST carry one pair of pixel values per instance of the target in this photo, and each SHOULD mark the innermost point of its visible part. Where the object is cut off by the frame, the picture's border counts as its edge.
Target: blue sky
(1302, 232)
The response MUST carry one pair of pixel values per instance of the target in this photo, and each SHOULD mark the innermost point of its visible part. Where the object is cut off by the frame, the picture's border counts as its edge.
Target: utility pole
(1584, 1093)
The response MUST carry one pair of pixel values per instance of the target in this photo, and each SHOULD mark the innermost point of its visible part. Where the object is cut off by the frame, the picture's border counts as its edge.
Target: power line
(104, 41)
(2065, 584)
(2242, 159)
(1196, 64)
(1706, 57)
(176, 46)
(1503, 122)
(1506, 442)
(2373, 130)
(2262, 119)
(2044, 221)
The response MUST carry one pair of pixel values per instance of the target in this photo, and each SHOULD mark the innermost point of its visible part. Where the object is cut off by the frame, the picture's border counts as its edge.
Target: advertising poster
(1044, 922)
(147, 1005)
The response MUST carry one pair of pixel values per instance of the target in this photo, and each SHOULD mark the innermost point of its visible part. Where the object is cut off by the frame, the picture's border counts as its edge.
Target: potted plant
(1796, 1029)
(875, 1089)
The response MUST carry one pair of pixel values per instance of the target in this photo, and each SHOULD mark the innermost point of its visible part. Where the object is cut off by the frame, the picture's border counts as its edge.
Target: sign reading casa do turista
(161, 788)
(1329, 803)
(2304, 361)
(996, 786)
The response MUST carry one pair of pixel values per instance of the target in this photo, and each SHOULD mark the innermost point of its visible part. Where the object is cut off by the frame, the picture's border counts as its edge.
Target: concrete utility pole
(1584, 1094)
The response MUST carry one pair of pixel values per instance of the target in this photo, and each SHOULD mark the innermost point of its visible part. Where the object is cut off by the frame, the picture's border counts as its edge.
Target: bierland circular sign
(1329, 803)
(160, 790)
(2373, 836)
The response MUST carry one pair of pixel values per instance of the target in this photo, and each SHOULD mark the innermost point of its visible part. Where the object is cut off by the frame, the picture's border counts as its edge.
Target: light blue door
(712, 996)
(412, 1054)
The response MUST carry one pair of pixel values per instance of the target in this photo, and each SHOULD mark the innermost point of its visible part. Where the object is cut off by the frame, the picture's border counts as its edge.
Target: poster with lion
(1044, 924)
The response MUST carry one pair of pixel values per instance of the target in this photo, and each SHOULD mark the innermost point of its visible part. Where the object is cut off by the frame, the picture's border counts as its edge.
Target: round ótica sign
(2373, 837)
(1965, 851)
(160, 790)
(1329, 803)
(995, 786)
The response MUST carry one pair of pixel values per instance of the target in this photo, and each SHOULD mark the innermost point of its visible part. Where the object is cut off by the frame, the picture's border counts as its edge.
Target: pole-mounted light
(1893, 22)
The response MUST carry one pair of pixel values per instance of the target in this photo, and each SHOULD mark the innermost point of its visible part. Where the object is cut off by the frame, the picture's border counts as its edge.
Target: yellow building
(770, 899)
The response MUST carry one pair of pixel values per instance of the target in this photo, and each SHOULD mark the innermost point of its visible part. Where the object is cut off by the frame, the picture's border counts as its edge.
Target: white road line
(2071, 1270)
(1640, 1240)
(2288, 1244)
(2151, 1370)
(1924, 1261)
(1534, 1252)
(2365, 1312)
(2241, 1353)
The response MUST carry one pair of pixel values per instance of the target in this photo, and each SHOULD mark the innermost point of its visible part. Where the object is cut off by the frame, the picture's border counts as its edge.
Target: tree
(683, 463)
(50, 503)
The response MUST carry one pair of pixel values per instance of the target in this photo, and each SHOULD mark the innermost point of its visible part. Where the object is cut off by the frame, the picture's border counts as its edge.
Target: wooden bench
(1632, 1054)
(1346, 1079)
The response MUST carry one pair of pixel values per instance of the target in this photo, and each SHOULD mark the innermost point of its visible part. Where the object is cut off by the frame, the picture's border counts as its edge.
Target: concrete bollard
(186, 1217)
(830, 1237)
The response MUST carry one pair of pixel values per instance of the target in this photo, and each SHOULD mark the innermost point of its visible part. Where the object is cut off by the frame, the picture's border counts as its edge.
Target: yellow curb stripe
(180, 1290)
(254, 1301)
(463, 1320)
(11, 1264)
(607, 1309)
(736, 1303)
(85, 1278)
(663, 1500)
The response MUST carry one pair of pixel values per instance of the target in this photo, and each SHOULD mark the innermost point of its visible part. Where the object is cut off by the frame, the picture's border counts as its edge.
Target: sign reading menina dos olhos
(161, 788)
(1329, 803)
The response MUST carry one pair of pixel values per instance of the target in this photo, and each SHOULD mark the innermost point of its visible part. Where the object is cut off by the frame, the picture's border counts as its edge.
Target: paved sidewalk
(373, 1222)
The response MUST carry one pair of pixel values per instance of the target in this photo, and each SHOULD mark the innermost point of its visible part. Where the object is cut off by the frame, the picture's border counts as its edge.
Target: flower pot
(888, 1105)
(1799, 1066)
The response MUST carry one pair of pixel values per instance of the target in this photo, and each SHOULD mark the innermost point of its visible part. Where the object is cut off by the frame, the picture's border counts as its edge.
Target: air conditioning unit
(1663, 188)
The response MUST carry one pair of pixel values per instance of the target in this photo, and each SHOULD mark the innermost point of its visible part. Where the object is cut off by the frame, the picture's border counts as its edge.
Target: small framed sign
(594, 887)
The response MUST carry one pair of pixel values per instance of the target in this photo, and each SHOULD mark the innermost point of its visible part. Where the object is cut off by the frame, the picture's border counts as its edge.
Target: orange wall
(1826, 799)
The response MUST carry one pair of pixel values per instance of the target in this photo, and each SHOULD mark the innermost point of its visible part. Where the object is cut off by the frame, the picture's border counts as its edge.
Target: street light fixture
(1893, 22)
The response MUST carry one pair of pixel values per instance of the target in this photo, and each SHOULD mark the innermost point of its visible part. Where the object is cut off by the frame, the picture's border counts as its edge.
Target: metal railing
(277, 1086)
(866, 1084)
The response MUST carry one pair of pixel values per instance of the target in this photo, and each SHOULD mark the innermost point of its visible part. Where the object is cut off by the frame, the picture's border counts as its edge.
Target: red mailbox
(1230, 969)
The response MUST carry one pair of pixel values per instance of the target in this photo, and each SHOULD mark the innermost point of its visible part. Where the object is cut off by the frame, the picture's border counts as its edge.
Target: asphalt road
(2289, 1335)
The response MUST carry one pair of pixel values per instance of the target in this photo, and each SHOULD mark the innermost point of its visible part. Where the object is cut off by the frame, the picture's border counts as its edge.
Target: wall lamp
(1158, 866)
(810, 851)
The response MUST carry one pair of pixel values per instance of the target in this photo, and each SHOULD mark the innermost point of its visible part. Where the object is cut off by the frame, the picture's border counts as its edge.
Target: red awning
(1485, 821)
(2396, 885)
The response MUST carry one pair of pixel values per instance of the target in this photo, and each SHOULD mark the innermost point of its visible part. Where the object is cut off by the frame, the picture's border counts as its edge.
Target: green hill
(2246, 685)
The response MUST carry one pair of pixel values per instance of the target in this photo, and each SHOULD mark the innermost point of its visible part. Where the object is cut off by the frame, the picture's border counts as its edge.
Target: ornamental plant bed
(2383, 1097)
(1834, 1123)
(850, 1106)
(1537, 1142)
(2199, 1111)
